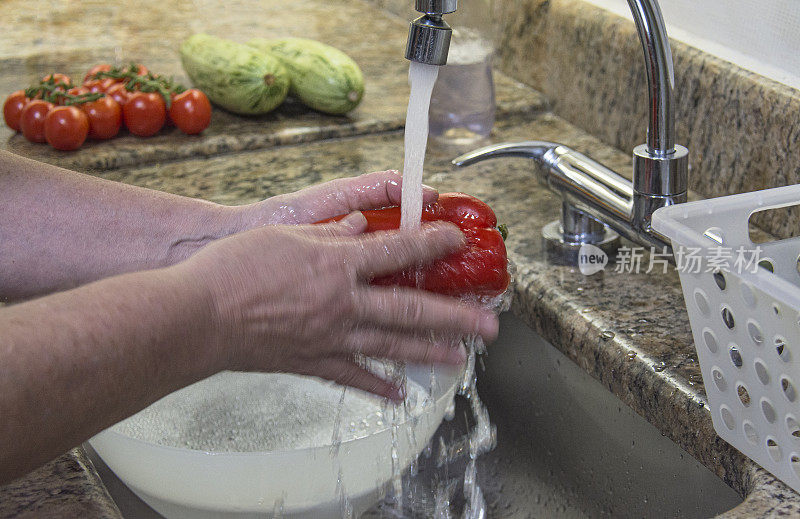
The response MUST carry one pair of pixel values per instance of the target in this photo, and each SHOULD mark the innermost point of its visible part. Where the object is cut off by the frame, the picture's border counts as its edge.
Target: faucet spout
(660, 167)
(660, 75)
(593, 191)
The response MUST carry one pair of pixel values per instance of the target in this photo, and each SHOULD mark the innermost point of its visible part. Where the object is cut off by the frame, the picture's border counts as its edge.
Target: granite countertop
(630, 331)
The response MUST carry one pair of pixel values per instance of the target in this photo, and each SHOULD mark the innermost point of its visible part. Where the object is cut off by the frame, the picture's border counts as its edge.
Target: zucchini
(323, 77)
(234, 76)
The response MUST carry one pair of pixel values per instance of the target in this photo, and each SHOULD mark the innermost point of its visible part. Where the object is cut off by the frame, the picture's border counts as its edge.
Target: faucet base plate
(562, 252)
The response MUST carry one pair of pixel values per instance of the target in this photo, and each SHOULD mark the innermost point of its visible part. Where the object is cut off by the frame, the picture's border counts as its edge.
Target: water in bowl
(255, 412)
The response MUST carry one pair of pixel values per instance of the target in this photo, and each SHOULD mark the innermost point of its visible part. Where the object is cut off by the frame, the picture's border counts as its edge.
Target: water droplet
(607, 335)
(450, 411)
(631, 355)
(659, 366)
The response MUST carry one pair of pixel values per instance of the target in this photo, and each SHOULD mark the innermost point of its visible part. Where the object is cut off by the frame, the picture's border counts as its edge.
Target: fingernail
(488, 326)
(355, 222)
(398, 178)
(356, 217)
(448, 227)
(456, 356)
(397, 394)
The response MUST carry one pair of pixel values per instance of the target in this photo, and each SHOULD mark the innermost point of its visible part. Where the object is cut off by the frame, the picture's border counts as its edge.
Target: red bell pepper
(480, 267)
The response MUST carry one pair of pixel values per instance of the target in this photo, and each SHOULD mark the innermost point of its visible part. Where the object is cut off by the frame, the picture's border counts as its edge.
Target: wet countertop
(630, 331)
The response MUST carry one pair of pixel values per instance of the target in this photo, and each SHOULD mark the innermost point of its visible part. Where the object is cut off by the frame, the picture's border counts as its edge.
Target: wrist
(200, 319)
(208, 222)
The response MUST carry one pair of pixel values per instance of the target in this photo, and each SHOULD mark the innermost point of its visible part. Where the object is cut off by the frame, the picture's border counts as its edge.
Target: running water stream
(482, 437)
(421, 78)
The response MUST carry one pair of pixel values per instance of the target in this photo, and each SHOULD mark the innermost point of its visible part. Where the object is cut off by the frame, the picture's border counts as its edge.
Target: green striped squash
(236, 77)
(323, 77)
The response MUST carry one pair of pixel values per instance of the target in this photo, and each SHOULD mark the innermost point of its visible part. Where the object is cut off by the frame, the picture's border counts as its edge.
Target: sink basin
(566, 447)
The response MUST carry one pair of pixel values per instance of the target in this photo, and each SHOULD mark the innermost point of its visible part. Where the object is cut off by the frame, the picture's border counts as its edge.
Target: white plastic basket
(745, 322)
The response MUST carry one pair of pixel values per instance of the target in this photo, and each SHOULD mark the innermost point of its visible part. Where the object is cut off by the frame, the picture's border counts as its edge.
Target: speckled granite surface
(741, 129)
(65, 487)
(151, 33)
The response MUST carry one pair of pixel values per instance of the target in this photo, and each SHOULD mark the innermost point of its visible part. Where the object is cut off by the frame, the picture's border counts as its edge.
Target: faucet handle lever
(528, 149)
(585, 184)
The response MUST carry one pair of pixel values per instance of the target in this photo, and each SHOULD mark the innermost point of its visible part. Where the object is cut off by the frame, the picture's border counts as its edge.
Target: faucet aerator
(429, 35)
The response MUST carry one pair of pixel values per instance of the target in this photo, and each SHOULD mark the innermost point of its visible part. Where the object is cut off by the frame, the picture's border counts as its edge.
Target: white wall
(760, 35)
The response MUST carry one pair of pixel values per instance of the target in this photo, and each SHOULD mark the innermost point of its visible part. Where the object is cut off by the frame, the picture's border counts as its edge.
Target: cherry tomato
(99, 85)
(79, 90)
(119, 93)
(12, 109)
(66, 127)
(61, 99)
(58, 78)
(105, 67)
(142, 70)
(105, 117)
(32, 120)
(144, 113)
(191, 111)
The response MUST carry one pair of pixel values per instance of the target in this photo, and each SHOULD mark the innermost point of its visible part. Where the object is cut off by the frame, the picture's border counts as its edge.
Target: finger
(369, 191)
(392, 251)
(412, 309)
(388, 344)
(394, 189)
(351, 225)
(348, 373)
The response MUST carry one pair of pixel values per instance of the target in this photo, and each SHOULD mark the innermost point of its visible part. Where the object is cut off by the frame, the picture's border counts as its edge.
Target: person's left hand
(337, 197)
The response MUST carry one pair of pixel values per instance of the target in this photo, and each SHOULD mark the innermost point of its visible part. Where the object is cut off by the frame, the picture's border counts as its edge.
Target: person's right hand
(296, 299)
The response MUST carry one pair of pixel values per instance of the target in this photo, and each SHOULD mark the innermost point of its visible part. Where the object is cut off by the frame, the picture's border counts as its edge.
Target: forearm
(60, 229)
(78, 361)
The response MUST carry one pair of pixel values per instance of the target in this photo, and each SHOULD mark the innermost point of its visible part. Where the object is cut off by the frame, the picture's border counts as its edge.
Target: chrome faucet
(429, 35)
(595, 198)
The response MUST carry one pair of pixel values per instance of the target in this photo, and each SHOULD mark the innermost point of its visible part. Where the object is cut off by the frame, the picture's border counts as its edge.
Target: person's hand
(296, 299)
(340, 196)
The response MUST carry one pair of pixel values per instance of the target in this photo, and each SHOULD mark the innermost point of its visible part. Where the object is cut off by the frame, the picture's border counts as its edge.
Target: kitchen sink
(566, 447)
